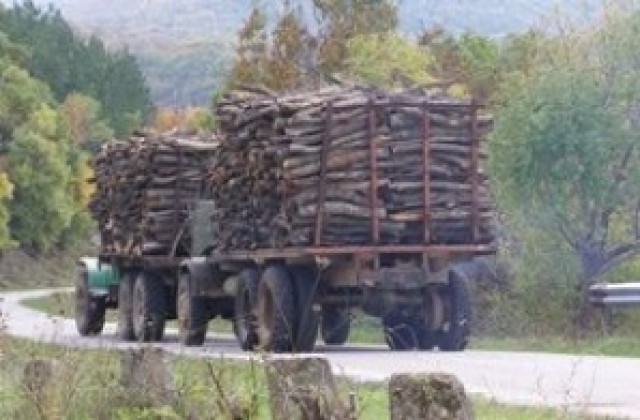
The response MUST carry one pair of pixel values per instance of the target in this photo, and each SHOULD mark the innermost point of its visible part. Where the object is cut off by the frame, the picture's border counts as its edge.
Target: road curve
(594, 385)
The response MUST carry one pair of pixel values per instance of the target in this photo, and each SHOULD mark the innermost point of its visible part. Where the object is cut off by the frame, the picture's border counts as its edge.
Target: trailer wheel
(454, 335)
(305, 285)
(149, 307)
(276, 310)
(124, 328)
(336, 324)
(192, 313)
(431, 318)
(400, 332)
(90, 310)
(245, 322)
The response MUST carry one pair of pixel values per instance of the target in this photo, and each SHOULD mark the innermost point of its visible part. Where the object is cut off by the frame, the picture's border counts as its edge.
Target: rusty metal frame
(322, 192)
(426, 152)
(373, 172)
(475, 182)
(358, 251)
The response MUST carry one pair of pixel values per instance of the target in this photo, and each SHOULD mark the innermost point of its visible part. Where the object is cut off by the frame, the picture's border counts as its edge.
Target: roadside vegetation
(207, 389)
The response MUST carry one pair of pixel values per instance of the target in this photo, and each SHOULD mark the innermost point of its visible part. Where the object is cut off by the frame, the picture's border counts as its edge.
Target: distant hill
(184, 46)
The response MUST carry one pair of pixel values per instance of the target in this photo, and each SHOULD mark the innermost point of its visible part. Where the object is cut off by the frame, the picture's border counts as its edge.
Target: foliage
(20, 96)
(290, 56)
(83, 117)
(42, 207)
(68, 63)
(6, 194)
(339, 21)
(283, 63)
(565, 145)
(387, 59)
(191, 119)
(479, 62)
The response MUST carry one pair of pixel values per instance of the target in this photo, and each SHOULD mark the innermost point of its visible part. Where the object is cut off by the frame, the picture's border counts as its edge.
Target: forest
(61, 96)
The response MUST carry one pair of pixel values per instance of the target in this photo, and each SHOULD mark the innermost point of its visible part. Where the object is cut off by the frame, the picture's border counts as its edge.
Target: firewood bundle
(145, 188)
(343, 156)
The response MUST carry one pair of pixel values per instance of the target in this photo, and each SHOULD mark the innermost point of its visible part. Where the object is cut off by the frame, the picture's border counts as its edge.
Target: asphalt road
(594, 385)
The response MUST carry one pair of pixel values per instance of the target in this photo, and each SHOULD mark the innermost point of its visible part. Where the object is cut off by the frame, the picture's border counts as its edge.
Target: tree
(387, 59)
(42, 208)
(69, 63)
(20, 95)
(290, 55)
(564, 152)
(6, 194)
(339, 21)
(280, 59)
(251, 50)
(82, 115)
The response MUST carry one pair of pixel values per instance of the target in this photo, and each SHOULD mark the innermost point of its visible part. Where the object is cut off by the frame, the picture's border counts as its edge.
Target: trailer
(280, 299)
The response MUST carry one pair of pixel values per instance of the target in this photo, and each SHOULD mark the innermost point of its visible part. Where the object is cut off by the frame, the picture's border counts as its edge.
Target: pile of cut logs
(145, 188)
(348, 166)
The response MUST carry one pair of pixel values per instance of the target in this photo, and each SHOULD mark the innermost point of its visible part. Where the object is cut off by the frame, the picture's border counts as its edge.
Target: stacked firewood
(145, 189)
(285, 159)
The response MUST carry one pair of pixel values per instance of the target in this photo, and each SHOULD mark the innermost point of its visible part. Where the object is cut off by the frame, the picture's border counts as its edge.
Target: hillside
(184, 45)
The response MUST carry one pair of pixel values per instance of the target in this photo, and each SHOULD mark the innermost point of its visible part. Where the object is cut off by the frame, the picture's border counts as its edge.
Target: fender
(100, 275)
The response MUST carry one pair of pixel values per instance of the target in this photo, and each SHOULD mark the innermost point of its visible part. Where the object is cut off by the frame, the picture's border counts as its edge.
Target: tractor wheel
(336, 324)
(430, 319)
(124, 329)
(245, 322)
(149, 307)
(90, 310)
(454, 334)
(192, 313)
(276, 308)
(305, 285)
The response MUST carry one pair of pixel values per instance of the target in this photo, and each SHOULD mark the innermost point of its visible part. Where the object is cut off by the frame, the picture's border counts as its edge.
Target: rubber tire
(335, 325)
(276, 308)
(425, 330)
(124, 328)
(149, 308)
(245, 319)
(456, 337)
(89, 310)
(305, 285)
(400, 333)
(192, 313)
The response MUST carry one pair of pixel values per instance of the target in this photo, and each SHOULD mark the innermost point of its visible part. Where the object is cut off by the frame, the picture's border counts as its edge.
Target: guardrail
(615, 295)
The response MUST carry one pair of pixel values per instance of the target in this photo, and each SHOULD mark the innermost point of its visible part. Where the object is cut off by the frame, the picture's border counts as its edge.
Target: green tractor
(96, 290)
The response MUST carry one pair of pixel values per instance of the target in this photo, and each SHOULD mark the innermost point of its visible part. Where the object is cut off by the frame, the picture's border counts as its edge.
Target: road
(595, 385)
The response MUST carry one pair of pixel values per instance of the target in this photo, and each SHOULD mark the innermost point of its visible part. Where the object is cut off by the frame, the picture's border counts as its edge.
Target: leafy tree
(6, 194)
(290, 56)
(564, 152)
(20, 96)
(42, 207)
(69, 63)
(83, 117)
(387, 59)
(279, 59)
(340, 20)
(252, 47)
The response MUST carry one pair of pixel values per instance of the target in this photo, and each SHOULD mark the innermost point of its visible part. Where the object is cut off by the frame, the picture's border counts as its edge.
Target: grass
(20, 271)
(62, 304)
(367, 330)
(613, 345)
(207, 388)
